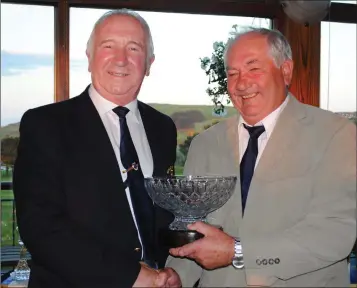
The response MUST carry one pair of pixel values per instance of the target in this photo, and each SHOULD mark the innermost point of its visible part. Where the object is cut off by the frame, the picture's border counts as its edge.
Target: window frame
(339, 12)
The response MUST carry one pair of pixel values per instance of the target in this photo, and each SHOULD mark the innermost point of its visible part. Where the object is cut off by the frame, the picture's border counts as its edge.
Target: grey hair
(280, 49)
(135, 15)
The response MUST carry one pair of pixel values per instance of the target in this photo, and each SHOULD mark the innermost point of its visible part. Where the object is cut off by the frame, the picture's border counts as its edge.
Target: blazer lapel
(150, 130)
(231, 146)
(232, 141)
(96, 142)
(285, 135)
(277, 151)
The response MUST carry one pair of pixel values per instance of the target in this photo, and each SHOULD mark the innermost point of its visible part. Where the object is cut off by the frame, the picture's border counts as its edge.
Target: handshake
(149, 277)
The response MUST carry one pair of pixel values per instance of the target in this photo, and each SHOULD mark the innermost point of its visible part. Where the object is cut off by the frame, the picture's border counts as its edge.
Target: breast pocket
(280, 203)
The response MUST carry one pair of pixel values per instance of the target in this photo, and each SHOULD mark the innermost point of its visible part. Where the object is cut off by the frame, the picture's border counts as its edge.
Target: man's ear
(287, 70)
(152, 59)
(89, 62)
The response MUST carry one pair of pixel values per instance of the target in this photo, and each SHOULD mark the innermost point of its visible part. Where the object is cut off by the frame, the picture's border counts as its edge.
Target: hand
(149, 277)
(168, 278)
(214, 250)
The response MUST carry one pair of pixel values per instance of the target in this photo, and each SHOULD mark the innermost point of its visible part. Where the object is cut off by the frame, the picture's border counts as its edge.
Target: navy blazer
(72, 210)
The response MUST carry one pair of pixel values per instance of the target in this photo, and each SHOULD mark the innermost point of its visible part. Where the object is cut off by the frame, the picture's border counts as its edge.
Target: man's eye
(133, 49)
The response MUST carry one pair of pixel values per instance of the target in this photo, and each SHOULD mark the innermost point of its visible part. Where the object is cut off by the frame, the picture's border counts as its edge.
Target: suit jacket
(299, 223)
(72, 210)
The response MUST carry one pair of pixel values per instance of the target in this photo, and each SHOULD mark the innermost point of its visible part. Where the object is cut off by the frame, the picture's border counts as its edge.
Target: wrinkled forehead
(247, 46)
(121, 25)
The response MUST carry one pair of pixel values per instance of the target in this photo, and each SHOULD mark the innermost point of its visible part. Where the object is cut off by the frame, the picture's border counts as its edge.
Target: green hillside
(12, 130)
(206, 110)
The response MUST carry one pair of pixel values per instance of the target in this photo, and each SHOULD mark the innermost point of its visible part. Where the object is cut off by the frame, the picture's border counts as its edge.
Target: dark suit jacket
(72, 210)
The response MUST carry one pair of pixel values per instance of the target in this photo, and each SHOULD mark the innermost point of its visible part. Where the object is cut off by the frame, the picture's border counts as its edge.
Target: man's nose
(120, 58)
(242, 83)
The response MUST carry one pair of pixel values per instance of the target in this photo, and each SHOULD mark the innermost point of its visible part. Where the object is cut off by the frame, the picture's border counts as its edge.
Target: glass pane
(27, 81)
(338, 68)
(177, 84)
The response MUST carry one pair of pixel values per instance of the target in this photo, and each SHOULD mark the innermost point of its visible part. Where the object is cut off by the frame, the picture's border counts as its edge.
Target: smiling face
(255, 84)
(117, 58)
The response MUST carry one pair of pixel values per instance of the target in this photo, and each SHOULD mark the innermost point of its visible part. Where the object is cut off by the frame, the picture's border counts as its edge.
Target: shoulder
(327, 121)
(217, 132)
(155, 115)
(51, 114)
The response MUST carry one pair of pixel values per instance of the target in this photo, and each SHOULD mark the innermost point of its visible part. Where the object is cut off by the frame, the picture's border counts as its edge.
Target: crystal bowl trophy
(190, 199)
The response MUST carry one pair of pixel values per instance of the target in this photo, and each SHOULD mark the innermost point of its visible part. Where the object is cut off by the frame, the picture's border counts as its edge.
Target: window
(338, 68)
(345, 1)
(177, 84)
(27, 81)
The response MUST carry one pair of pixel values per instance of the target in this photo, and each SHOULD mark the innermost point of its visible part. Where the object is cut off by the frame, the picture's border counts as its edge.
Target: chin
(119, 90)
(252, 115)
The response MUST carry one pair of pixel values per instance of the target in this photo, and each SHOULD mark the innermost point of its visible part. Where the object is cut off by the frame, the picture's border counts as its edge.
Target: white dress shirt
(269, 124)
(137, 132)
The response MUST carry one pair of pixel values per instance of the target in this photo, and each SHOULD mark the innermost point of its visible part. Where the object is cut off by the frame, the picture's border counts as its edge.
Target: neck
(120, 100)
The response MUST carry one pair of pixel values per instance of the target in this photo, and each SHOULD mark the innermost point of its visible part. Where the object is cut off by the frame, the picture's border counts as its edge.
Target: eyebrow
(249, 62)
(136, 43)
(253, 61)
(130, 42)
(106, 41)
(231, 68)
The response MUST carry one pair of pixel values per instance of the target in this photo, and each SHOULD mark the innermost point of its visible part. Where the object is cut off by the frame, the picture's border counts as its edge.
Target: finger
(174, 278)
(176, 251)
(200, 227)
(186, 250)
(161, 279)
(174, 282)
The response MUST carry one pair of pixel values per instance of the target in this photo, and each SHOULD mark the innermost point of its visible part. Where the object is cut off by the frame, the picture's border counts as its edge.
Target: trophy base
(177, 238)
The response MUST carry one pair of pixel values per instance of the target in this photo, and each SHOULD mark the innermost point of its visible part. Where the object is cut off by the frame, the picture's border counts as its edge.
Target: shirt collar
(104, 106)
(269, 121)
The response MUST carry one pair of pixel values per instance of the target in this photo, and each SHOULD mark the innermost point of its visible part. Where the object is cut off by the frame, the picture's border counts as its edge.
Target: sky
(180, 40)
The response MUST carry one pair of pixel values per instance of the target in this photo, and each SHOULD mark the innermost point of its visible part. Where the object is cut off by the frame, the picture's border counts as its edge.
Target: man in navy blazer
(74, 205)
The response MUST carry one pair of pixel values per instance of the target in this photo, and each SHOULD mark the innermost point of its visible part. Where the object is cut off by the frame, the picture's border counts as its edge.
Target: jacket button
(277, 260)
(271, 261)
(137, 249)
(264, 261)
(258, 261)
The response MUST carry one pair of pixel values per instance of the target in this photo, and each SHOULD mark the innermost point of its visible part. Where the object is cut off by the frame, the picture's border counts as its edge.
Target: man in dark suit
(82, 208)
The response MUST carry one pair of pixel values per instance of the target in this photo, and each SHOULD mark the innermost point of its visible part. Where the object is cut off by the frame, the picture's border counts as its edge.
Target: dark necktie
(248, 161)
(142, 203)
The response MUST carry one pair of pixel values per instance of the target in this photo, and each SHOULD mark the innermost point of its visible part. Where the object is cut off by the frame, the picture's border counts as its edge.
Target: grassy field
(206, 110)
(7, 219)
(6, 213)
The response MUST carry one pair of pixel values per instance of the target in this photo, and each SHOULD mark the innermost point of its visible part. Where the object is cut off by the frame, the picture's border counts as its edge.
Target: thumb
(200, 227)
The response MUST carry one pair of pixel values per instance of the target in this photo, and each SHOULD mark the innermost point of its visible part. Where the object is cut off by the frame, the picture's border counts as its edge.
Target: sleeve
(173, 143)
(163, 217)
(327, 233)
(53, 240)
(196, 164)
(187, 269)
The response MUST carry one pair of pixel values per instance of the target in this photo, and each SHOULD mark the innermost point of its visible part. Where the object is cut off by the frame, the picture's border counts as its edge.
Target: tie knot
(255, 131)
(121, 111)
